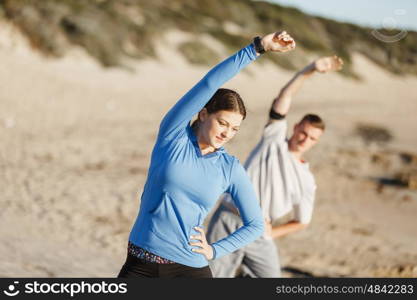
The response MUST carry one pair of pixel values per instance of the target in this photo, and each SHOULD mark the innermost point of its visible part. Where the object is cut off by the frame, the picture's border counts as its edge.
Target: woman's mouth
(219, 139)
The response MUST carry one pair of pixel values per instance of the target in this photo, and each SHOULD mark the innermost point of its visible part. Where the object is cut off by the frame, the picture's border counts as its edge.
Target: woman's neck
(205, 148)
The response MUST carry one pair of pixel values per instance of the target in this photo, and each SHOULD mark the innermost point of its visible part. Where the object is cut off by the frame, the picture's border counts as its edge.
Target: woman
(189, 170)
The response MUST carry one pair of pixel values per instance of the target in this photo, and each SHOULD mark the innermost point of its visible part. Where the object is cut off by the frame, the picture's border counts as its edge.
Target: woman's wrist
(213, 251)
(259, 45)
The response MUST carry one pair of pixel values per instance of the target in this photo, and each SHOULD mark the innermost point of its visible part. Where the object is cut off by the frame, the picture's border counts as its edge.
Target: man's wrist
(309, 69)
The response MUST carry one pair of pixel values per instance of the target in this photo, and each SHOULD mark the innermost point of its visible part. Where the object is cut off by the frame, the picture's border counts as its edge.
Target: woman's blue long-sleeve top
(183, 185)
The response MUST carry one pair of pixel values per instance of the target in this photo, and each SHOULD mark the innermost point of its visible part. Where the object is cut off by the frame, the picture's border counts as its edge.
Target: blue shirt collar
(194, 140)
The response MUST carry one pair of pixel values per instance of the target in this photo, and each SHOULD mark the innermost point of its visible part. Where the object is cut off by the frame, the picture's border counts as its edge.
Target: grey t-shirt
(281, 182)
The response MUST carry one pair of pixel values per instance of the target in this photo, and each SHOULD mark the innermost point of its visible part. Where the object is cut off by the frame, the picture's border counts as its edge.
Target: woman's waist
(146, 255)
(170, 249)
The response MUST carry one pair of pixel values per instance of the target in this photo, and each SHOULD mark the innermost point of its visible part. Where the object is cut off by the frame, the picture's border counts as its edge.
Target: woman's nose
(226, 133)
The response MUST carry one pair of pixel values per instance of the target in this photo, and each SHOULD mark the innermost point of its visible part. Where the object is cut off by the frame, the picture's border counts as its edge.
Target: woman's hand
(279, 41)
(205, 248)
(329, 63)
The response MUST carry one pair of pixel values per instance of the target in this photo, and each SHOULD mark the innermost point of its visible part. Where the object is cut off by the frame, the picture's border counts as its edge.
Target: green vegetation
(112, 29)
(198, 53)
(373, 133)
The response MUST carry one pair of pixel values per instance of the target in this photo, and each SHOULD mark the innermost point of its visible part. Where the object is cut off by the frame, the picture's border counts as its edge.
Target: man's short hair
(314, 120)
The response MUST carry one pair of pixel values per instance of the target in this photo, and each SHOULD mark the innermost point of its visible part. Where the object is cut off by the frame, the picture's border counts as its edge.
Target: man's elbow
(303, 225)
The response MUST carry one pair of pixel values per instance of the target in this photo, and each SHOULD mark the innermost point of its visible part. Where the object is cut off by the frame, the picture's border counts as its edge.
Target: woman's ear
(202, 115)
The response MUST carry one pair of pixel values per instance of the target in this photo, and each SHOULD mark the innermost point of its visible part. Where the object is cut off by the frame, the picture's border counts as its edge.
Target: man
(282, 181)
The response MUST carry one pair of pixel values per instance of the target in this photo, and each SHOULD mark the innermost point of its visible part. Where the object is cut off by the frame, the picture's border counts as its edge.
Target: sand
(75, 144)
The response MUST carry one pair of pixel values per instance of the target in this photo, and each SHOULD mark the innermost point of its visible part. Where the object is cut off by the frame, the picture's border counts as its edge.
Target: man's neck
(297, 154)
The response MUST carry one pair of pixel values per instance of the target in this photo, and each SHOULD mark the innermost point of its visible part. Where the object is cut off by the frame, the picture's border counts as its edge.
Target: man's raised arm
(282, 102)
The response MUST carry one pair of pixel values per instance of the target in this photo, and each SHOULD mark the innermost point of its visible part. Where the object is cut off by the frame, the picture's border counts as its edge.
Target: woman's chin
(217, 145)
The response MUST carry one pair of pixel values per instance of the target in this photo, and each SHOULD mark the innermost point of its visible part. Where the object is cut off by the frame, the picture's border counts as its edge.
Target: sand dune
(75, 145)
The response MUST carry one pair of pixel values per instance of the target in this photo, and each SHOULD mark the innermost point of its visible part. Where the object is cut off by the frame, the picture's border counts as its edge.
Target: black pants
(137, 268)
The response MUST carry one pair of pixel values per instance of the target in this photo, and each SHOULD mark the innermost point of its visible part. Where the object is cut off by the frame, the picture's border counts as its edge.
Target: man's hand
(204, 247)
(268, 229)
(278, 42)
(327, 64)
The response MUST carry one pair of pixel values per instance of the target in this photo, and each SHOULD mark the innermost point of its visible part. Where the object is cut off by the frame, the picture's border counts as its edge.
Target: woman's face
(218, 128)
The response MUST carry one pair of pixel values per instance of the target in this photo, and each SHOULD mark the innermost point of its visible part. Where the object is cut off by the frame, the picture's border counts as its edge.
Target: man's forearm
(282, 103)
(284, 229)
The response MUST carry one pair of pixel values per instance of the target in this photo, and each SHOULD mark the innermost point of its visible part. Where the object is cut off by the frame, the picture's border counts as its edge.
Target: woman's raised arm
(195, 99)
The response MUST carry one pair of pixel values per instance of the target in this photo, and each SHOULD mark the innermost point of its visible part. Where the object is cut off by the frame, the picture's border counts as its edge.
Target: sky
(390, 14)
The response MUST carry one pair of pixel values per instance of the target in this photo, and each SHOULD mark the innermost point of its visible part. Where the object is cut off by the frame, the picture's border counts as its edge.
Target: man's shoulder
(275, 128)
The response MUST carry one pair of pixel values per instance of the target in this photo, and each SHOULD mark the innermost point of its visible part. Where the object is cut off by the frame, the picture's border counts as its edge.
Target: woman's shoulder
(230, 160)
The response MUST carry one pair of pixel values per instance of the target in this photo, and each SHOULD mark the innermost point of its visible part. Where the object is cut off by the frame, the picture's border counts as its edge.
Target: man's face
(305, 136)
